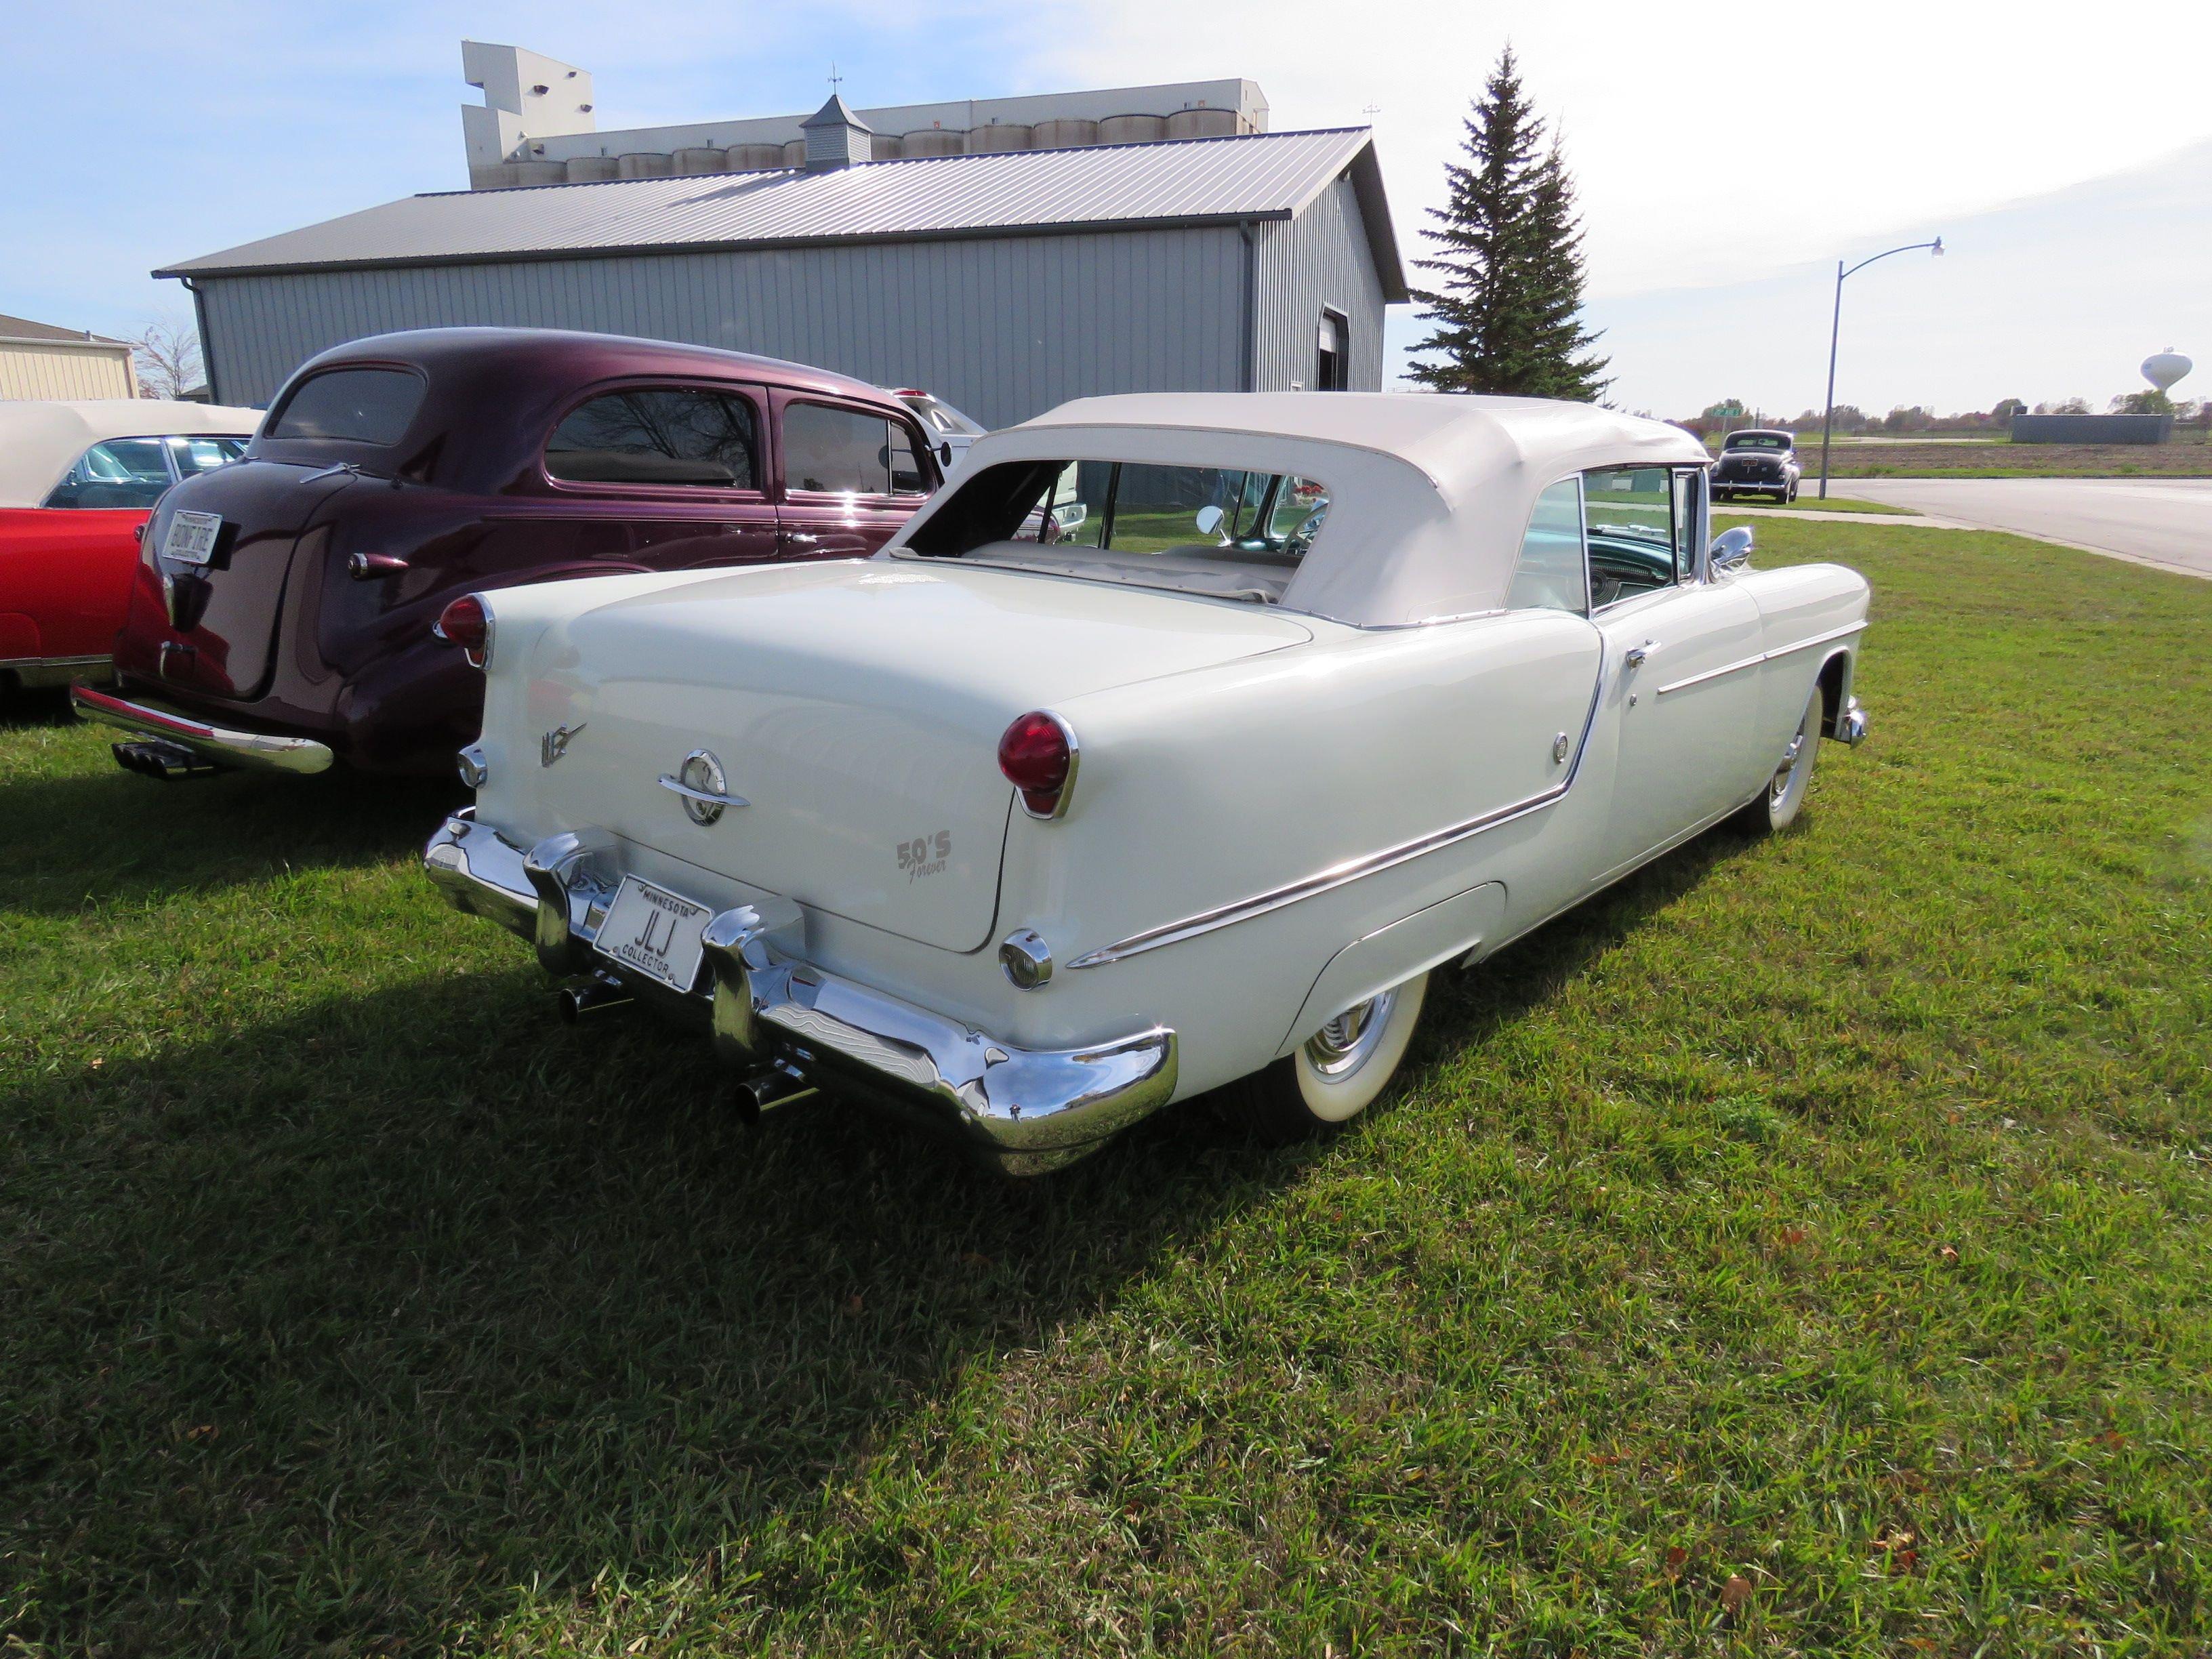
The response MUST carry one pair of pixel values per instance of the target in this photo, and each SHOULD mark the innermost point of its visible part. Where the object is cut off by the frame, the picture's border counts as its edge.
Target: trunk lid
(227, 611)
(855, 707)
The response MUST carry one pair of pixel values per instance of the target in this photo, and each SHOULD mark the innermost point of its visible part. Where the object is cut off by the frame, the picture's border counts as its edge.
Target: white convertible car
(1296, 700)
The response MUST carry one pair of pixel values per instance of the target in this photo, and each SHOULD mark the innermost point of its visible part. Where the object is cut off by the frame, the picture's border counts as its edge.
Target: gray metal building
(1004, 283)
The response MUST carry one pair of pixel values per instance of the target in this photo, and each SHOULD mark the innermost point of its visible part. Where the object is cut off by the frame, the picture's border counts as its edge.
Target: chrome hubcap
(1343, 1045)
(1787, 769)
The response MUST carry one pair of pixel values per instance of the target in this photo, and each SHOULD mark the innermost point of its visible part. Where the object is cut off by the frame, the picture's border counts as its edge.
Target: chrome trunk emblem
(555, 744)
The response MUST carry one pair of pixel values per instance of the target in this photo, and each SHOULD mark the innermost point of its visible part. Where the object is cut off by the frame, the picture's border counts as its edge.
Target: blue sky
(2069, 169)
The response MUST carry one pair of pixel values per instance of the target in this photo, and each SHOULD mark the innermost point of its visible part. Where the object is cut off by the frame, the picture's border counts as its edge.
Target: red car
(282, 615)
(76, 480)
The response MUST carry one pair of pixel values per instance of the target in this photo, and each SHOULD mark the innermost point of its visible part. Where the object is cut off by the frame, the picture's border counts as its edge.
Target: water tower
(2163, 369)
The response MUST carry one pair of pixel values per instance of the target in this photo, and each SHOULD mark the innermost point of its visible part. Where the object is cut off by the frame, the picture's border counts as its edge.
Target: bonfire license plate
(655, 932)
(192, 537)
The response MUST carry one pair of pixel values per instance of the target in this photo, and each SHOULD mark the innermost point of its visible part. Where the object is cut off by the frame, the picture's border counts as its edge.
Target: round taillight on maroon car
(1037, 755)
(466, 623)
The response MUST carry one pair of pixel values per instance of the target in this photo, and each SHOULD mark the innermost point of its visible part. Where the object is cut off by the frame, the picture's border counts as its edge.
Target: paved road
(2165, 522)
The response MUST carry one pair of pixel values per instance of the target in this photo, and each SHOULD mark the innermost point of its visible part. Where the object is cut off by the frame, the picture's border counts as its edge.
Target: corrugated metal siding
(1002, 327)
(1210, 178)
(1320, 258)
(65, 372)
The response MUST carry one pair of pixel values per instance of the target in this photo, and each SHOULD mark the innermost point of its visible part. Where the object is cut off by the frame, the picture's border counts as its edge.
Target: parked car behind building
(1757, 461)
(283, 611)
(76, 481)
(1028, 839)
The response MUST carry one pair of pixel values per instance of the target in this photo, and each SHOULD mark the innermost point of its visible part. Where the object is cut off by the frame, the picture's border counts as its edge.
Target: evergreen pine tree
(1507, 313)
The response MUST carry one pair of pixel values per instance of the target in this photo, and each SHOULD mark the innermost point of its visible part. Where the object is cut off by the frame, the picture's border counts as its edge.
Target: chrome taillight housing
(1039, 754)
(466, 622)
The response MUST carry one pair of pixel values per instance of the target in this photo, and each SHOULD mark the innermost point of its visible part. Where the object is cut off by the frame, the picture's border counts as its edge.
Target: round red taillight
(1037, 755)
(466, 623)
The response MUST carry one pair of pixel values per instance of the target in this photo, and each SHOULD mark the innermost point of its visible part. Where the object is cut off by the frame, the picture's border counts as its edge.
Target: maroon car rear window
(360, 405)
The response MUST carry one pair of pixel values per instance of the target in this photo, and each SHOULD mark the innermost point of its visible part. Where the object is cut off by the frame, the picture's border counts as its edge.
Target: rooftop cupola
(835, 138)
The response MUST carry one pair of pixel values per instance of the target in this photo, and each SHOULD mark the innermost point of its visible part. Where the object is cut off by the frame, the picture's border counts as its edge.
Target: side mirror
(1731, 549)
(1209, 520)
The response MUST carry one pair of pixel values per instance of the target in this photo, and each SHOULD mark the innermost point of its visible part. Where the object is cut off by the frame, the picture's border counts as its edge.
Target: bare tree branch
(166, 353)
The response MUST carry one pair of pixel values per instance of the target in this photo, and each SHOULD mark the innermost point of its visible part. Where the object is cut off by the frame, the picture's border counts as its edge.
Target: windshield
(1759, 441)
(1233, 531)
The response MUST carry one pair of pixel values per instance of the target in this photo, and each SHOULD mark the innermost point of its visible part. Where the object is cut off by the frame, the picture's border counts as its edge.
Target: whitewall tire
(1783, 796)
(1340, 1070)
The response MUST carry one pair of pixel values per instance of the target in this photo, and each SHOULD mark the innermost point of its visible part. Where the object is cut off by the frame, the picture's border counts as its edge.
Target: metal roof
(23, 329)
(1253, 176)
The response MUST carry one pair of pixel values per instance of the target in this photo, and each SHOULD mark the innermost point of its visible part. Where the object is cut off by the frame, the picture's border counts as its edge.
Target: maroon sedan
(282, 613)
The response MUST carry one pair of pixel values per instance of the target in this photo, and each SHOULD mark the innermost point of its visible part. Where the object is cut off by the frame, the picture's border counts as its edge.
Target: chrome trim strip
(1713, 674)
(1351, 869)
(259, 749)
(35, 673)
(1763, 657)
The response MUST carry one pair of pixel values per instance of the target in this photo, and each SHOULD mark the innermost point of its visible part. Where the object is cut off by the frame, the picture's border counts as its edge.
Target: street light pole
(1835, 328)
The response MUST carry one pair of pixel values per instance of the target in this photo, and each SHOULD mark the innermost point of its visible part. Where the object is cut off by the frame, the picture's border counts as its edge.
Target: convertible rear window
(361, 405)
(1240, 532)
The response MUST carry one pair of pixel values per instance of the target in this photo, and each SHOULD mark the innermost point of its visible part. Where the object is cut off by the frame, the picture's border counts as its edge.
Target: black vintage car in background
(1757, 461)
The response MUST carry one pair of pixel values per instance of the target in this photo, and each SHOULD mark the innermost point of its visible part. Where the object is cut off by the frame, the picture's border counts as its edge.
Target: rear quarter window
(359, 406)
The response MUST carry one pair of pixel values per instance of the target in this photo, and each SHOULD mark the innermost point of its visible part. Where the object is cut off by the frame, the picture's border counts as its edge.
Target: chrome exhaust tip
(594, 994)
(769, 1087)
(151, 758)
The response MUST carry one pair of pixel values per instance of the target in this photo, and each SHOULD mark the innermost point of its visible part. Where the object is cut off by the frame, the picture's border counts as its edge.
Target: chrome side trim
(1713, 674)
(1763, 657)
(1351, 870)
(260, 751)
(34, 672)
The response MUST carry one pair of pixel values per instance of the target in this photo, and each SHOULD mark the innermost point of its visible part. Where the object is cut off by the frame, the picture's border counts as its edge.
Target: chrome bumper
(1025, 1111)
(258, 750)
(1851, 724)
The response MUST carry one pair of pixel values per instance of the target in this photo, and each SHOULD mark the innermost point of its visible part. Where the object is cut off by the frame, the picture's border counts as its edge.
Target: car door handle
(798, 538)
(1637, 655)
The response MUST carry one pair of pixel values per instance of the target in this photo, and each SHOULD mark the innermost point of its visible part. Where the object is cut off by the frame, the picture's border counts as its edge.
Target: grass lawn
(1810, 501)
(1801, 1249)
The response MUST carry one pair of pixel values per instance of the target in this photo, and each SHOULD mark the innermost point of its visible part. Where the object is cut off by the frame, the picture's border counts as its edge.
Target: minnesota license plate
(655, 932)
(192, 537)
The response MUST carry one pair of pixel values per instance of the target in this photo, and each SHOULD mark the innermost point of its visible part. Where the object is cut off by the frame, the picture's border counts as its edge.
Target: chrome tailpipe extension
(152, 758)
(768, 1088)
(601, 991)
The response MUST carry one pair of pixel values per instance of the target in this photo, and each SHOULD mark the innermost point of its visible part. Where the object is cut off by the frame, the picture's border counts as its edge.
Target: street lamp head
(1936, 249)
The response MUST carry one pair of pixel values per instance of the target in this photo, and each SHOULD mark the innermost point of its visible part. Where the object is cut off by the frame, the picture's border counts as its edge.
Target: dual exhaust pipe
(756, 1093)
(151, 758)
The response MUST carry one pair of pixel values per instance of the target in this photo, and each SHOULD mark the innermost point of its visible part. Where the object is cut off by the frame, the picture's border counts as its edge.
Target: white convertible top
(1430, 493)
(40, 441)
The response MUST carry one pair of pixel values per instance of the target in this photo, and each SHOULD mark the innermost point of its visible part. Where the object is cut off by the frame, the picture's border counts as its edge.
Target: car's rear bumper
(776, 1016)
(222, 745)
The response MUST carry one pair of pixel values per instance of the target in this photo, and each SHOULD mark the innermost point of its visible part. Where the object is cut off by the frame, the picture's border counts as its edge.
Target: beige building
(38, 361)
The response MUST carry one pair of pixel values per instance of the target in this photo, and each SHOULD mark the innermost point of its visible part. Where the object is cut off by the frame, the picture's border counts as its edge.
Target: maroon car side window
(849, 451)
(677, 436)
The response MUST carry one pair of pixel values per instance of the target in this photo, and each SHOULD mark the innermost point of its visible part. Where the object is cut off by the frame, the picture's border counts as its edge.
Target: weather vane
(834, 76)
